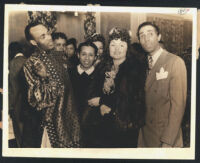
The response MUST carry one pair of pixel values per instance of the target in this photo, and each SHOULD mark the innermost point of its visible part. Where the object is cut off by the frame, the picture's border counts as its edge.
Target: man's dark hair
(72, 41)
(145, 24)
(97, 37)
(27, 30)
(14, 48)
(87, 43)
(57, 35)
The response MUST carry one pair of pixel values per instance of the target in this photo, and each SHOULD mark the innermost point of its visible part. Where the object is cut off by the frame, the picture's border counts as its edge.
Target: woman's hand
(94, 101)
(104, 110)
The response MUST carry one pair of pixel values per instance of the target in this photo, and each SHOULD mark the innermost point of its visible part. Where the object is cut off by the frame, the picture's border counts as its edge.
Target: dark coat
(16, 95)
(80, 85)
(120, 127)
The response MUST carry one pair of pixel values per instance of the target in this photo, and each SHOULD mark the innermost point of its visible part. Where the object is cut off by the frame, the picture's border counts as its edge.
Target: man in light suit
(165, 88)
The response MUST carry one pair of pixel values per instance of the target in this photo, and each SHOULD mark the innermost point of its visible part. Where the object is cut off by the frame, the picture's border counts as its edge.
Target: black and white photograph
(99, 82)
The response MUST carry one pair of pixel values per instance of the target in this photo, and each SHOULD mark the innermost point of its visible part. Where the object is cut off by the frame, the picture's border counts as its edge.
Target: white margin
(131, 153)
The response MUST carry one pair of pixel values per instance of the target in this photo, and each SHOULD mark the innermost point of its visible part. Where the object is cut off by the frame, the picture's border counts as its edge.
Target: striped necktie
(150, 62)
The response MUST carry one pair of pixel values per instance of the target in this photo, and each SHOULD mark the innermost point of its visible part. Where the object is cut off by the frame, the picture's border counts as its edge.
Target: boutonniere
(162, 74)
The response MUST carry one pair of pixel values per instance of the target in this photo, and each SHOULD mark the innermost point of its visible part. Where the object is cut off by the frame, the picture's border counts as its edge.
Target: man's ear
(78, 55)
(159, 37)
(33, 42)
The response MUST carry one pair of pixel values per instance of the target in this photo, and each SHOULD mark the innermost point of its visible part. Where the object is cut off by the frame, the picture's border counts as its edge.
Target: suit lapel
(156, 68)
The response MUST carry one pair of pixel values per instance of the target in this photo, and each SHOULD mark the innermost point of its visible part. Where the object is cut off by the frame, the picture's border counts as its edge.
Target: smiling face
(86, 57)
(118, 49)
(41, 37)
(60, 44)
(149, 39)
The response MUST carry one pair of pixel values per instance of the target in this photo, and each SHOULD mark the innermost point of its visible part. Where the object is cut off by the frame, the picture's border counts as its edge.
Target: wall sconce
(76, 13)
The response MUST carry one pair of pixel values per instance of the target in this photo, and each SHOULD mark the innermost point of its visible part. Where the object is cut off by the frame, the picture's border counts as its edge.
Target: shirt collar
(19, 55)
(89, 71)
(156, 55)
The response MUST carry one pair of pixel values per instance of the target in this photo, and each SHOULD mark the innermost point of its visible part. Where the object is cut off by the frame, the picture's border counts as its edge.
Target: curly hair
(119, 33)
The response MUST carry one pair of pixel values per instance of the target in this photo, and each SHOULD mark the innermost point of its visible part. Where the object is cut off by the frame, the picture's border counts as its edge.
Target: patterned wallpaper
(172, 33)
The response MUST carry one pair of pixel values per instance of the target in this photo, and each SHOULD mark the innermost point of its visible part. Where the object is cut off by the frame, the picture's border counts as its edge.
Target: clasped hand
(94, 102)
(104, 109)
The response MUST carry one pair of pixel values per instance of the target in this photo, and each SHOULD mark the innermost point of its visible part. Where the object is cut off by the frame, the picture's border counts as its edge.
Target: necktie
(150, 61)
(150, 64)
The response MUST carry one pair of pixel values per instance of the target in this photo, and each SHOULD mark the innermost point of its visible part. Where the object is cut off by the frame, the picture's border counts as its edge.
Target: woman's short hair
(87, 43)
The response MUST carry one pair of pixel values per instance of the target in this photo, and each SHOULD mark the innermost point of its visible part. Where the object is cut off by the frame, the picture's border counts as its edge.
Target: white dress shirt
(156, 55)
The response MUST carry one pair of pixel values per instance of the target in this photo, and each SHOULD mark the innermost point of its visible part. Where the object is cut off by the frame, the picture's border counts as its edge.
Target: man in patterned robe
(50, 92)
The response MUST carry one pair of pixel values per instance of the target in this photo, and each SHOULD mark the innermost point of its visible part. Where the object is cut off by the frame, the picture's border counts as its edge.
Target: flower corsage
(109, 84)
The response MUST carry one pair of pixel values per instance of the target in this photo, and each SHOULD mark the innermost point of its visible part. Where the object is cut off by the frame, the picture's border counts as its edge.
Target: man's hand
(104, 110)
(40, 69)
(164, 145)
(94, 101)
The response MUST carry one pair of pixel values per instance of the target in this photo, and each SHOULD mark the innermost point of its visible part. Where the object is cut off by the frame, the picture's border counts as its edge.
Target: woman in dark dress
(116, 97)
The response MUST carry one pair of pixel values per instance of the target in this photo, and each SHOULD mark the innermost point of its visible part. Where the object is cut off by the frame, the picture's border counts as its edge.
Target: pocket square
(162, 74)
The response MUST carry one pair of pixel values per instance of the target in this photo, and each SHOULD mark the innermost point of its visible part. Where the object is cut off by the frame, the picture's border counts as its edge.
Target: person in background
(99, 41)
(71, 48)
(50, 94)
(138, 52)
(16, 62)
(116, 94)
(60, 40)
(165, 92)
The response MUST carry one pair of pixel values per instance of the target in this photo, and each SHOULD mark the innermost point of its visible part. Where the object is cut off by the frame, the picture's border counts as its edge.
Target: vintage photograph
(90, 80)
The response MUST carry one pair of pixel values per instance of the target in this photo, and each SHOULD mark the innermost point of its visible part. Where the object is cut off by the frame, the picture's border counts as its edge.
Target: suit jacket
(165, 97)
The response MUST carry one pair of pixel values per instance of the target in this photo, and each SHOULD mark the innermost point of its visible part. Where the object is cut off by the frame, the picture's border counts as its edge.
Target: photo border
(111, 153)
